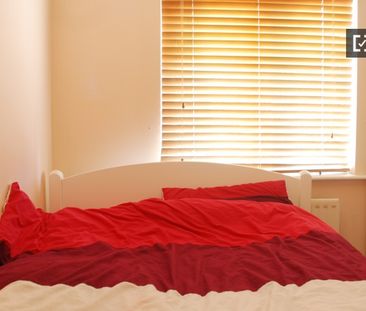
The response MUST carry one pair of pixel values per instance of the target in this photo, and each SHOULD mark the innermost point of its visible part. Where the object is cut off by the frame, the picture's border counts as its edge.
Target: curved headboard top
(111, 186)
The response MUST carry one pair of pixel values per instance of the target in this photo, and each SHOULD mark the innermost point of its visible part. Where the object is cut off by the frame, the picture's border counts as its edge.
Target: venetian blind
(264, 83)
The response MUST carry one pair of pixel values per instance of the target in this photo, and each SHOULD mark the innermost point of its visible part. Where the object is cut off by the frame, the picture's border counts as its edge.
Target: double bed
(175, 236)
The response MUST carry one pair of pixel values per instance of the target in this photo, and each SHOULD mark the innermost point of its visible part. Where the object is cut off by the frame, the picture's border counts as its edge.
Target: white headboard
(112, 186)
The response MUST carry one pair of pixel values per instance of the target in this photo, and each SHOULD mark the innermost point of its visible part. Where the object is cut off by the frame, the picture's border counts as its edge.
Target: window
(264, 83)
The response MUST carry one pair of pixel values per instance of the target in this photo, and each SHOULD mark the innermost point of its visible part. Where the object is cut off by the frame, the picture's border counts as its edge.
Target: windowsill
(332, 176)
(344, 176)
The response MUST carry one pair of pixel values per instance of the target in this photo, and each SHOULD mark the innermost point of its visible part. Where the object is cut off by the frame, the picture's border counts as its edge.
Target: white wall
(24, 100)
(105, 83)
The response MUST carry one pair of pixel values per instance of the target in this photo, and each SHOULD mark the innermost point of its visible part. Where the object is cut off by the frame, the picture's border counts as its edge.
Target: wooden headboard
(112, 186)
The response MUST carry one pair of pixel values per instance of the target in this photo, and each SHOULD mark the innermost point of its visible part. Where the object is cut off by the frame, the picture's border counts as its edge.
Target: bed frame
(112, 186)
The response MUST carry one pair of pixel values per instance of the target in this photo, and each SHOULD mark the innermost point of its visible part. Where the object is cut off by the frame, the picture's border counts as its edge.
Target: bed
(175, 236)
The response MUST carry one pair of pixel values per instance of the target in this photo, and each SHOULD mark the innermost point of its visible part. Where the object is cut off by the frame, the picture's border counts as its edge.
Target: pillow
(20, 216)
(260, 191)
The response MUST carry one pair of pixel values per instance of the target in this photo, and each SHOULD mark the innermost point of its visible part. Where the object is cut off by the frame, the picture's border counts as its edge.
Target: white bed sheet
(319, 295)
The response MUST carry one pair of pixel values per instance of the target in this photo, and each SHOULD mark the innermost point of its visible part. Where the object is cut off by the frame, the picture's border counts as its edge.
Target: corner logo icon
(356, 43)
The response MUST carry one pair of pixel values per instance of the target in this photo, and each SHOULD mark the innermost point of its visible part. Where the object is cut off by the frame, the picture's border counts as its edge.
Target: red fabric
(153, 221)
(197, 269)
(20, 218)
(190, 245)
(276, 188)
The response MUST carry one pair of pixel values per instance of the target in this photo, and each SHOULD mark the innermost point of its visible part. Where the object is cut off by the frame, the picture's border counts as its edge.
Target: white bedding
(315, 295)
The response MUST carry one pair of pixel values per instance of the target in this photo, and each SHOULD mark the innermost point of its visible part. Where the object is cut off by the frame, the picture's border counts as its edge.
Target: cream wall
(24, 99)
(105, 60)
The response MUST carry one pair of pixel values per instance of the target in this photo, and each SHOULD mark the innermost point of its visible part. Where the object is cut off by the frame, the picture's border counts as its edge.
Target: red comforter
(190, 245)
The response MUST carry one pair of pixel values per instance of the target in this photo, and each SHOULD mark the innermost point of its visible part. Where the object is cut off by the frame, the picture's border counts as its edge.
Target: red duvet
(191, 245)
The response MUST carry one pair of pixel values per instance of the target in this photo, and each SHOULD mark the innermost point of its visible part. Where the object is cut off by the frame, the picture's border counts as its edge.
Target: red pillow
(20, 217)
(275, 189)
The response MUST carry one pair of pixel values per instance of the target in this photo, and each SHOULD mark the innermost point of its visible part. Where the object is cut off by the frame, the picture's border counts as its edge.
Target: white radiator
(328, 210)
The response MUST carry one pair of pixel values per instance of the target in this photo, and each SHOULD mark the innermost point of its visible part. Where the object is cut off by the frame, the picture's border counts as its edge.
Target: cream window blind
(264, 83)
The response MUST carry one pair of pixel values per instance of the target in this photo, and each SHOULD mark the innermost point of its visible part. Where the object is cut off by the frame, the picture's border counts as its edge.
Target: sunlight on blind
(264, 83)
